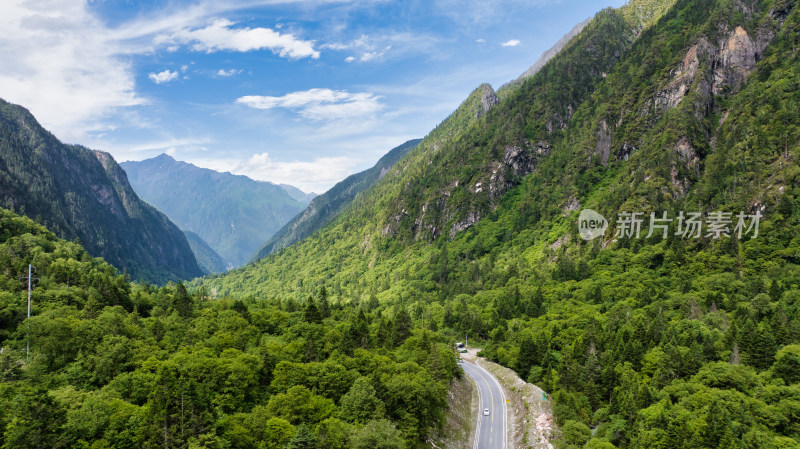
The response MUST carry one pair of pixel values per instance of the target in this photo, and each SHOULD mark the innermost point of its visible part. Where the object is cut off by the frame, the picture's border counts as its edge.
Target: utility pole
(30, 279)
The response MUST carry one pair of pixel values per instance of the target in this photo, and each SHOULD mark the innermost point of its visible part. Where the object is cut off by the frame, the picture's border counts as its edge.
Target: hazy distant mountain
(208, 259)
(298, 194)
(81, 193)
(233, 214)
(330, 204)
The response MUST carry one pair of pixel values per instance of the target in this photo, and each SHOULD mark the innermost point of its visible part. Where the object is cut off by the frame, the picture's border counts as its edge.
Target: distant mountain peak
(164, 157)
(232, 214)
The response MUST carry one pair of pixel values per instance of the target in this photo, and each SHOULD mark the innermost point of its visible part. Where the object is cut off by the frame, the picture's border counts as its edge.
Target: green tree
(401, 328)
(333, 433)
(787, 364)
(324, 306)
(304, 439)
(278, 433)
(182, 301)
(36, 422)
(360, 404)
(311, 313)
(378, 434)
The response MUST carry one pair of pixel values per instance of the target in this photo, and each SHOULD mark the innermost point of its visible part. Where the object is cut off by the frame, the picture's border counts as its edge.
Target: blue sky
(298, 92)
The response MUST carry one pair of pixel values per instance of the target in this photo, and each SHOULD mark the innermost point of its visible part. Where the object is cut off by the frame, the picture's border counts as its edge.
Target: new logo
(591, 224)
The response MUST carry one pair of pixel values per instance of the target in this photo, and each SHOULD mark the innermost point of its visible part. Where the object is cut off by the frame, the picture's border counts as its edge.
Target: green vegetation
(232, 213)
(83, 194)
(340, 340)
(123, 365)
(648, 342)
(326, 207)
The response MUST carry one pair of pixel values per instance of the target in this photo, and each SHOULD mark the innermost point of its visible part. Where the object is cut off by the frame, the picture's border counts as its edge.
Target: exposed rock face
(734, 61)
(466, 223)
(683, 78)
(572, 205)
(518, 159)
(603, 149)
(488, 99)
(729, 63)
(688, 155)
(625, 152)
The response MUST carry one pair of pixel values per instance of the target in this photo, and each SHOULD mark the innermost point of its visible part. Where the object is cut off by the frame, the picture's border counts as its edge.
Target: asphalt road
(491, 430)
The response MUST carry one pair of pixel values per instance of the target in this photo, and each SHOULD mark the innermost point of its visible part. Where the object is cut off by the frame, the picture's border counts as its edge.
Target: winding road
(490, 432)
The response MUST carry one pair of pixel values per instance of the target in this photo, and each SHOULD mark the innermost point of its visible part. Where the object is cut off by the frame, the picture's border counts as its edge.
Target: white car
(486, 412)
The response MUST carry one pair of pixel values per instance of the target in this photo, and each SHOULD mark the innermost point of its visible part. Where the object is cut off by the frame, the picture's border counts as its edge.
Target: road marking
(479, 371)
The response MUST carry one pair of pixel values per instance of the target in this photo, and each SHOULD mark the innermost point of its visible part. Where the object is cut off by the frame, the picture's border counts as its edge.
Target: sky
(302, 92)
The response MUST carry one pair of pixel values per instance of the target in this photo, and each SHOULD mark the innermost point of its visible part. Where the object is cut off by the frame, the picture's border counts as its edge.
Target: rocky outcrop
(709, 69)
(471, 218)
(625, 152)
(682, 78)
(603, 145)
(735, 60)
(488, 99)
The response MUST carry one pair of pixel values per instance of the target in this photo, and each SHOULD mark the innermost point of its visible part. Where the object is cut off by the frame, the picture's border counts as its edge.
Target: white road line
(479, 370)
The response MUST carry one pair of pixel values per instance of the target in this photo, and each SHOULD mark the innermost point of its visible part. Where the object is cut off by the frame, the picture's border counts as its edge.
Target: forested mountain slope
(207, 259)
(326, 207)
(676, 339)
(232, 213)
(121, 365)
(83, 194)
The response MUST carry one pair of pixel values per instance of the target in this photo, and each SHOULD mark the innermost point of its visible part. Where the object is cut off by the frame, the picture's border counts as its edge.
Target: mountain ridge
(234, 214)
(64, 185)
(327, 206)
(640, 341)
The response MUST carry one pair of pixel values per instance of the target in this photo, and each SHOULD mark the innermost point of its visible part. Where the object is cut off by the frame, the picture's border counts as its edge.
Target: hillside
(326, 207)
(83, 194)
(207, 259)
(232, 213)
(667, 340)
(115, 364)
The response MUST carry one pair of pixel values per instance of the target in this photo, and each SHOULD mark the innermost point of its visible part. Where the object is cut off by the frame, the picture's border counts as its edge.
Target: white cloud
(220, 35)
(480, 41)
(511, 43)
(61, 64)
(370, 55)
(317, 175)
(163, 77)
(319, 104)
(226, 73)
(372, 48)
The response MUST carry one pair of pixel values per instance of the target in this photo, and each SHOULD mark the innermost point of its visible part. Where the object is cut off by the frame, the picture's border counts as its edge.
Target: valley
(182, 307)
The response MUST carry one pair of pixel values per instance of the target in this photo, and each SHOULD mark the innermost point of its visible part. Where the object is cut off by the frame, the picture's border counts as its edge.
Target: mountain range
(653, 334)
(232, 213)
(668, 318)
(83, 194)
(326, 207)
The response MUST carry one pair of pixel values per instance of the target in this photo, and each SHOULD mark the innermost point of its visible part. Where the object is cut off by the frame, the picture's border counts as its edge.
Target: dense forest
(120, 365)
(686, 111)
(667, 340)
